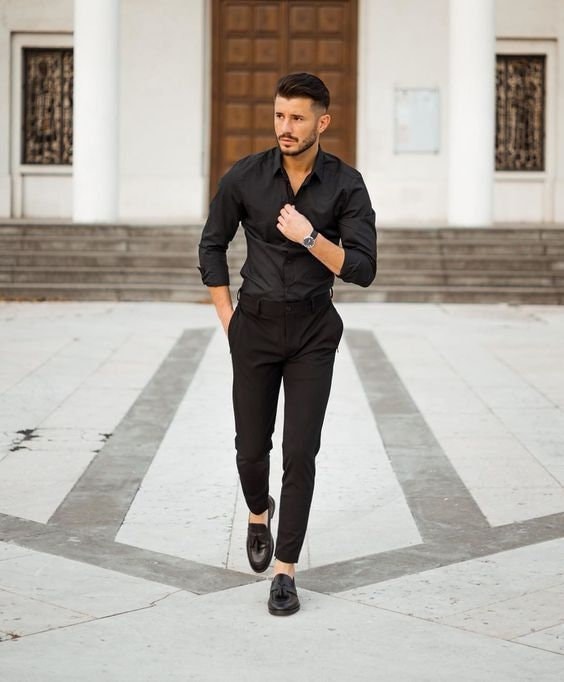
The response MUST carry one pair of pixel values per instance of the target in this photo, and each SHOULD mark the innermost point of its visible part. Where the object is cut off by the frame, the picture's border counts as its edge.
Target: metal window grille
(47, 106)
(520, 112)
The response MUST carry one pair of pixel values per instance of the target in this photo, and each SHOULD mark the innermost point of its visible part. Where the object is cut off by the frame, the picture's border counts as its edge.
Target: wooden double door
(257, 41)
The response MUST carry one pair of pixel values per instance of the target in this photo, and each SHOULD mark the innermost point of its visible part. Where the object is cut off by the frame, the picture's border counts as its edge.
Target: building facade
(130, 110)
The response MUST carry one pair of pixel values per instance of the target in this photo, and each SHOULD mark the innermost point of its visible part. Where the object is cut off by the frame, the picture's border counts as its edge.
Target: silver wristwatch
(309, 241)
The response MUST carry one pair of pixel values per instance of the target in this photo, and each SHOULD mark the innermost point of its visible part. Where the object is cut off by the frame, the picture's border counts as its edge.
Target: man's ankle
(283, 567)
(259, 518)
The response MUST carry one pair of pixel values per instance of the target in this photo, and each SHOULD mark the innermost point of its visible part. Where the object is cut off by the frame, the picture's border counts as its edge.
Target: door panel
(257, 41)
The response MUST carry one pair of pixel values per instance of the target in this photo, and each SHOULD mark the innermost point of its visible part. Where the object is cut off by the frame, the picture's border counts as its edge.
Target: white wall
(402, 43)
(529, 27)
(164, 138)
(17, 18)
(559, 142)
(163, 110)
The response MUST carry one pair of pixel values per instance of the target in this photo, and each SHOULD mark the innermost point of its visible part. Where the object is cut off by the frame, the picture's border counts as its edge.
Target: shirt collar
(317, 166)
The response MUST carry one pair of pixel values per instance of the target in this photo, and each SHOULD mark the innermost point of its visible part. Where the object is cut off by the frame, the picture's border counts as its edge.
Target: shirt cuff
(357, 269)
(214, 278)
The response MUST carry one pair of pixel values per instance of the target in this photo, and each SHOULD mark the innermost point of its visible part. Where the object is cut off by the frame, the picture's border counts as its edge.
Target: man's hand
(293, 225)
(225, 316)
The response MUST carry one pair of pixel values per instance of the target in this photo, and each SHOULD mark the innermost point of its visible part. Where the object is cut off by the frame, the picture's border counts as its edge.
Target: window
(47, 106)
(520, 112)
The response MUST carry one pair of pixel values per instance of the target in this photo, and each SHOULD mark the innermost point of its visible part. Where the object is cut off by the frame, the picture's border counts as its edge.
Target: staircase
(469, 265)
(100, 262)
(142, 263)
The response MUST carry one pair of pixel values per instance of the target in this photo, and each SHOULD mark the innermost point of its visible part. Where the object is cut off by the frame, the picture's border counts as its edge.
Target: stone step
(97, 259)
(191, 276)
(104, 292)
(421, 294)
(99, 244)
(437, 294)
(130, 262)
(18, 245)
(393, 262)
(193, 232)
(525, 233)
(189, 259)
(97, 230)
(471, 278)
(172, 276)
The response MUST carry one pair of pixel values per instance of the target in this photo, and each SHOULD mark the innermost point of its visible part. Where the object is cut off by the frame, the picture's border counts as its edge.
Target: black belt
(263, 306)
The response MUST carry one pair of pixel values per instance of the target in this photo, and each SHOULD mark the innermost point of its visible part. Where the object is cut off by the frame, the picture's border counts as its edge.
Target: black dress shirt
(334, 199)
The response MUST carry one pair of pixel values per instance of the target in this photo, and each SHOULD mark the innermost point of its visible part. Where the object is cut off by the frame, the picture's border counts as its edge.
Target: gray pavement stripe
(103, 552)
(473, 544)
(331, 578)
(452, 527)
(437, 497)
(102, 496)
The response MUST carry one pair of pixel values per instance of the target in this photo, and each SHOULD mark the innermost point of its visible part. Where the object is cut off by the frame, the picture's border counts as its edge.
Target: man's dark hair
(304, 85)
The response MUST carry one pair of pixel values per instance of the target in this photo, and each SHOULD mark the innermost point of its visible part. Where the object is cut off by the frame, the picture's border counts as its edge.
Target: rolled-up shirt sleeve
(225, 214)
(357, 225)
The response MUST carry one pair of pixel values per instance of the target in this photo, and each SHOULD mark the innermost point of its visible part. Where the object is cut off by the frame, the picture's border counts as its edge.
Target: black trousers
(295, 343)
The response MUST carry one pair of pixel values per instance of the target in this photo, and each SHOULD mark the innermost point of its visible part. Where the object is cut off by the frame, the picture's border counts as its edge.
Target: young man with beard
(307, 217)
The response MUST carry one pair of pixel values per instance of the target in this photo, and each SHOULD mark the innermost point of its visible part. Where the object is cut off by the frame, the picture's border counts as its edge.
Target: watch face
(309, 242)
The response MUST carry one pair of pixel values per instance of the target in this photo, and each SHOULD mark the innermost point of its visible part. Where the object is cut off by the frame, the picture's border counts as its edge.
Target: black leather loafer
(260, 544)
(283, 600)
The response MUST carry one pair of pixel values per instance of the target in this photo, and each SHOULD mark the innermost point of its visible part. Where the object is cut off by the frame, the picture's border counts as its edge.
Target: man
(307, 217)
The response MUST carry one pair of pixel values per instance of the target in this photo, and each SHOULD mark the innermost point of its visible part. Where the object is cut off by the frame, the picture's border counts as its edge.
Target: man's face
(298, 124)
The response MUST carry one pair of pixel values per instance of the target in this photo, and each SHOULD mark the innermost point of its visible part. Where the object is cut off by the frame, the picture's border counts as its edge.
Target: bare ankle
(283, 567)
(259, 518)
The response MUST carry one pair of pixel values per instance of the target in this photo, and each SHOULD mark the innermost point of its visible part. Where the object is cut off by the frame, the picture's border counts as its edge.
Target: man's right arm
(220, 228)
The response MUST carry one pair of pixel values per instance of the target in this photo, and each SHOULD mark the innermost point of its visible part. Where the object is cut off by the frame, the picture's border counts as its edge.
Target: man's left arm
(355, 260)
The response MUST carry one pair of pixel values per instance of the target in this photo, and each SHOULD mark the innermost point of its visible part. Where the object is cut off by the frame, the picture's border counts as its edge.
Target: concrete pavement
(435, 548)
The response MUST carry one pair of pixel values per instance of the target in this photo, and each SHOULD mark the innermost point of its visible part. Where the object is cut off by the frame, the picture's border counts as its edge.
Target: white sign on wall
(416, 120)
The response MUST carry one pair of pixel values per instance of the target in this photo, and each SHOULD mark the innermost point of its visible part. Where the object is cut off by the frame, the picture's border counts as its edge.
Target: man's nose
(286, 126)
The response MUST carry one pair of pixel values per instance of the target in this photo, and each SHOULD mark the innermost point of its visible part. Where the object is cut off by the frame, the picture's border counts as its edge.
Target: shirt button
(288, 308)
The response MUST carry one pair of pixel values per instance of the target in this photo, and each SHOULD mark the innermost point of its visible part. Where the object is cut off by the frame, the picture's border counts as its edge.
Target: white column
(471, 112)
(96, 92)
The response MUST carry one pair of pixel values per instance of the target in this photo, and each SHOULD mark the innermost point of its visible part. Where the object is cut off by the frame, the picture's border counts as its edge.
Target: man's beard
(305, 145)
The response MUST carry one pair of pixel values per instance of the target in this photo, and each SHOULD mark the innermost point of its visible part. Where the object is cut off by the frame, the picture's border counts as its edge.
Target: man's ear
(324, 122)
